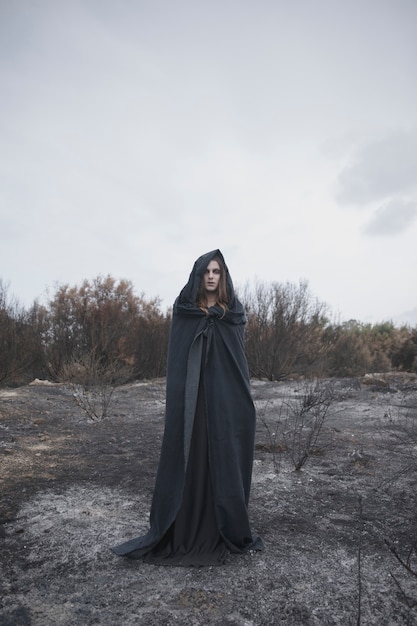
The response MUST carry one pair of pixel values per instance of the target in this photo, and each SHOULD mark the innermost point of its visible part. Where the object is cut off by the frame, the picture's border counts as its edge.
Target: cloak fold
(230, 417)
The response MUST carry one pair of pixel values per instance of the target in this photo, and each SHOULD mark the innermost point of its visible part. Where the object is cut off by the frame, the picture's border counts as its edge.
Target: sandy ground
(72, 487)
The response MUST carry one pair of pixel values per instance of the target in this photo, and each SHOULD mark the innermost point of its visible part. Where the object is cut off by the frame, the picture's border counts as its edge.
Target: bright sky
(136, 135)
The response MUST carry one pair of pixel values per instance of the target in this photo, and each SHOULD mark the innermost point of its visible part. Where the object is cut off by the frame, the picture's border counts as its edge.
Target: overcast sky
(136, 135)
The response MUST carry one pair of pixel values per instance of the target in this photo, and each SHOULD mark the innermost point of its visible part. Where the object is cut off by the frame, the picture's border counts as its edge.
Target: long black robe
(230, 417)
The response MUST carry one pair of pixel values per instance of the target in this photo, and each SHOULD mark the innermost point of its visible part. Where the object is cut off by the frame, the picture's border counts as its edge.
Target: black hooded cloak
(206, 363)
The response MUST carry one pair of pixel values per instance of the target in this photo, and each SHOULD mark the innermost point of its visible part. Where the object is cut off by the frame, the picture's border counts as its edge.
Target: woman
(199, 507)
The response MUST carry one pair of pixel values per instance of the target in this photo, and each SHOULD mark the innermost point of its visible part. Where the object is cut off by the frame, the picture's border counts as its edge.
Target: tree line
(103, 329)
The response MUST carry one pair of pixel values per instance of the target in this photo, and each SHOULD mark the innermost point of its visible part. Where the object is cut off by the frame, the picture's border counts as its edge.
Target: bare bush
(401, 422)
(405, 553)
(407, 560)
(93, 383)
(297, 427)
(283, 334)
(21, 353)
(275, 445)
(305, 420)
(8, 334)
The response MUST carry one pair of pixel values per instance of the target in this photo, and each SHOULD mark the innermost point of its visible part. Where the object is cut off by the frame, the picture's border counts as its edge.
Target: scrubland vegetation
(103, 331)
(334, 476)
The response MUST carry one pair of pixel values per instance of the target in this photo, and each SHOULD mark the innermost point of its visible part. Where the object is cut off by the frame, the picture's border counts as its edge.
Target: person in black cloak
(199, 510)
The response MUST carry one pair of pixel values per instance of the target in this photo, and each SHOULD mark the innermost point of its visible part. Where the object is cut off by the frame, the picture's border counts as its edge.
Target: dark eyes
(214, 271)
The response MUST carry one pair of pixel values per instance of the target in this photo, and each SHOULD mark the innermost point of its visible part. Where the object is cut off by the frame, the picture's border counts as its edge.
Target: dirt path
(70, 488)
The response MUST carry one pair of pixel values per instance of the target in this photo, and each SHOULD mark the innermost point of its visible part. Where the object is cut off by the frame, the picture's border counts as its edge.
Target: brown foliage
(105, 318)
(20, 340)
(288, 334)
(284, 330)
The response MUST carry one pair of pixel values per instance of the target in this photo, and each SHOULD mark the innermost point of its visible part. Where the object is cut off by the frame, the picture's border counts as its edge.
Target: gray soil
(334, 532)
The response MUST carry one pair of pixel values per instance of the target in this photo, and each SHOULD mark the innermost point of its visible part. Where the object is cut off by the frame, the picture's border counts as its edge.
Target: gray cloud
(132, 141)
(380, 170)
(392, 218)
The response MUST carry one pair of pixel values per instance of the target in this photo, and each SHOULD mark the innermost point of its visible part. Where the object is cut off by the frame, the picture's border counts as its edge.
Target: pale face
(211, 279)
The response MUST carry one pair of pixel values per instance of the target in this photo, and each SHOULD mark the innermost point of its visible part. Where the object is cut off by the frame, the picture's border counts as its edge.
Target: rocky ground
(335, 531)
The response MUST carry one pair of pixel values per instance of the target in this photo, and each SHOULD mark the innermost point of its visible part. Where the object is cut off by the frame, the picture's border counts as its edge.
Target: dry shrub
(296, 429)
(93, 383)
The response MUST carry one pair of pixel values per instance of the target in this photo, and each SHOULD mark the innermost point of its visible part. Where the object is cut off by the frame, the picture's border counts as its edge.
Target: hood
(189, 292)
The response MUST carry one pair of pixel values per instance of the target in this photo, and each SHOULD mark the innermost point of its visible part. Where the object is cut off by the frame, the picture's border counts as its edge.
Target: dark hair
(222, 296)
